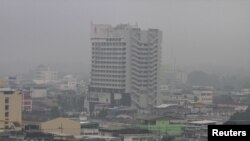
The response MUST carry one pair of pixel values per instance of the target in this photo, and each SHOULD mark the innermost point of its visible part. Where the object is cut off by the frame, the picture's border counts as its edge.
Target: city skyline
(205, 34)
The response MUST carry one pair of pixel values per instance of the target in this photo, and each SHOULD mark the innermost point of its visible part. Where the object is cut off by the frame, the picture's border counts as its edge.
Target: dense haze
(198, 34)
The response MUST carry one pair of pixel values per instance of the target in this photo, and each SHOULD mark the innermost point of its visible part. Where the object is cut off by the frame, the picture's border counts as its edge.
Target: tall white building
(125, 60)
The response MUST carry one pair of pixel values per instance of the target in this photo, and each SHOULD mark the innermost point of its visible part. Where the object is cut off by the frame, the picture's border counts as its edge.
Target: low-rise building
(89, 128)
(162, 125)
(130, 134)
(69, 82)
(45, 75)
(203, 94)
(197, 130)
(61, 125)
(39, 92)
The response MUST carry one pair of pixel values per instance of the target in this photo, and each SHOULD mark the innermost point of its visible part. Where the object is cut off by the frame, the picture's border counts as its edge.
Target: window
(6, 100)
(6, 114)
(6, 107)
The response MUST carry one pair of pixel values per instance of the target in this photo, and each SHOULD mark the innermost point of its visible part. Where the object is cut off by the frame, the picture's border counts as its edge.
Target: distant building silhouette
(125, 60)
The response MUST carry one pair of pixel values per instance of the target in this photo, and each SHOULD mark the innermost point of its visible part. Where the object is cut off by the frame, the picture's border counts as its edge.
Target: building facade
(45, 75)
(27, 100)
(10, 108)
(125, 59)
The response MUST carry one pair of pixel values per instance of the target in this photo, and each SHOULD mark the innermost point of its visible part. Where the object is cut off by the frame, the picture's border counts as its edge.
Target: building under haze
(10, 108)
(125, 60)
(45, 75)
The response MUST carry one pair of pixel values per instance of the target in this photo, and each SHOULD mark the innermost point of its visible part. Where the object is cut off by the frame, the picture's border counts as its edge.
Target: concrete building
(69, 82)
(172, 75)
(39, 92)
(129, 134)
(45, 75)
(97, 138)
(10, 108)
(167, 96)
(89, 128)
(12, 82)
(1, 83)
(125, 59)
(27, 100)
(203, 95)
(197, 130)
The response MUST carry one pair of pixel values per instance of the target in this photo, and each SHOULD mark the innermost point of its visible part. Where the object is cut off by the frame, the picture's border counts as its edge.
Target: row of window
(143, 76)
(108, 44)
(110, 67)
(105, 75)
(143, 84)
(108, 49)
(148, 90)
(144, 48)
(109, 80)
(6, 108)
(143, 62)
(144, 44)
(108, 90)
(109, 71)
(138, 65)
(139, 70)
(107, 39)
(109, 62)
(113, 39)
(109, 85)
(147, 80)
(114, 58)
(108, 53)
(148, 73)
(151, 56)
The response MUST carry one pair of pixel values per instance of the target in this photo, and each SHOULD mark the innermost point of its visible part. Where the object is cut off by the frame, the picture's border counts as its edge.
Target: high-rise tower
(125, 60)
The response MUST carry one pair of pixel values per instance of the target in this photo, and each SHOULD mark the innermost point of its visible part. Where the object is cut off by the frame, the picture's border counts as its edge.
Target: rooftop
(165, 105)
(205, 122)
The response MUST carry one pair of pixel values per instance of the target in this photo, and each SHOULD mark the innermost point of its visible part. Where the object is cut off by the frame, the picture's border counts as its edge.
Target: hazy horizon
(198, 34)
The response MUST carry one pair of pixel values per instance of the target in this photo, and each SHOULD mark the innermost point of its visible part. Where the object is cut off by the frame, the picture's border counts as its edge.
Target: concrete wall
(14, 109)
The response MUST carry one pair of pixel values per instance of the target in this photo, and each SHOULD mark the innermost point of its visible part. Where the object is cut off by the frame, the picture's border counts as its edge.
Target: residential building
(45, 75)
(1, 83)
(125, 60)
(129, 134)
(27, 100)
(197, 130)
(39, 92)
(12, 82)
(89, 128)
(69, 82)
(98, 138)
(10, 108)
(203, 95)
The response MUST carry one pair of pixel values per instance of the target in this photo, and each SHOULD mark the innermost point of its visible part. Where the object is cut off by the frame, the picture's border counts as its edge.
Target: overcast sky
(195, 32)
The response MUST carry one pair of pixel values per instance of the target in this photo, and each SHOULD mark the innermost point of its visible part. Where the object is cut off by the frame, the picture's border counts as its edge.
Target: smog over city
(116, 69)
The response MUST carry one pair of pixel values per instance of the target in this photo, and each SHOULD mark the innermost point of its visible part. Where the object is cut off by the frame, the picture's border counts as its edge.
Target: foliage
(223, 99)
(241, 116)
